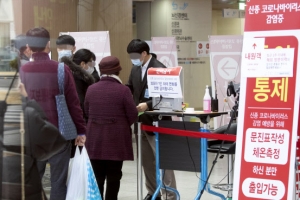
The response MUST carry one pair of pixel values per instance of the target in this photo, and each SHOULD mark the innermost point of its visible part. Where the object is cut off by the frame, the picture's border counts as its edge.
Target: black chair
(227, 148)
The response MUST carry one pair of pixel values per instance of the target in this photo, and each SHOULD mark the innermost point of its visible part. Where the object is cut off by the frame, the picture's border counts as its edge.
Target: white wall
(196, 76)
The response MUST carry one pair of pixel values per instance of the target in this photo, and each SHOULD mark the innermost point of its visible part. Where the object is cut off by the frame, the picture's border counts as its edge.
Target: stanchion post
(139, 164)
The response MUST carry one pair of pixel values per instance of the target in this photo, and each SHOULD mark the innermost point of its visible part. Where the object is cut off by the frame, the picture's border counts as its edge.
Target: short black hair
(84, 55)
(20, 43)
(37, 39)
(137, 46)
(65, 39)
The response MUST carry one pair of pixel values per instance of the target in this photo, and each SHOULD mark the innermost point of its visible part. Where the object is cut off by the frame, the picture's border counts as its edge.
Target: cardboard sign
(269, 107)
(164, 82)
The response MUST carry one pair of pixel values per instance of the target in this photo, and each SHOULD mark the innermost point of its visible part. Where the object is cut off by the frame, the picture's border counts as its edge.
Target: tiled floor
(187, 182)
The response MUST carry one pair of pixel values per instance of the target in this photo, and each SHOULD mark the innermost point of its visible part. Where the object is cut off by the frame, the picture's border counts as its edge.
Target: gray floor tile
(187, 182)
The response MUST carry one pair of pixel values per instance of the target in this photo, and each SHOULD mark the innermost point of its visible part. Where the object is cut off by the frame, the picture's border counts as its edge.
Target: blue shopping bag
(82, 184)
(93, 192)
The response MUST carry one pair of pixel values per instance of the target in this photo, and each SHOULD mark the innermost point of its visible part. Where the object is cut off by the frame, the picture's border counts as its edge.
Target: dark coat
(96, 75)
(111, 111)
(82, 80)
(138, 88)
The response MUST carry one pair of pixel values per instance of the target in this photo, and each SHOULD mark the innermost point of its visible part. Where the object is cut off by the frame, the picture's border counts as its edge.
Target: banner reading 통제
(269, 102)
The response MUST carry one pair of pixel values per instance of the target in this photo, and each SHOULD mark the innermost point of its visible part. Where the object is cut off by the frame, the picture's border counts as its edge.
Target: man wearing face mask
(81, 71)
(65, 45)
(142, 60)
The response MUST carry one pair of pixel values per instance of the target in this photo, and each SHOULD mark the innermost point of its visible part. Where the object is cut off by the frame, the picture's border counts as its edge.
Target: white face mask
(137, 62)
(63, 53)
(90, 70)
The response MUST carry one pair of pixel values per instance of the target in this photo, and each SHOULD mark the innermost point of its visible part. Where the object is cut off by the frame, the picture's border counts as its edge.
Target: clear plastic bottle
(207, 101)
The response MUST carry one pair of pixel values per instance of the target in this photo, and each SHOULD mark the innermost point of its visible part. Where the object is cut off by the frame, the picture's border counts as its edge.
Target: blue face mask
(64, 53)
(137, 62)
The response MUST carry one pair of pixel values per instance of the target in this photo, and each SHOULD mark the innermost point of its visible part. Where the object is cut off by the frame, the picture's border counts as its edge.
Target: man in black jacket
(142, 60)
(65, 45)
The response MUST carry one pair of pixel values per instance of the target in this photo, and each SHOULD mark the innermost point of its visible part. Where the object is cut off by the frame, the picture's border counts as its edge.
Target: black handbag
(44, 138)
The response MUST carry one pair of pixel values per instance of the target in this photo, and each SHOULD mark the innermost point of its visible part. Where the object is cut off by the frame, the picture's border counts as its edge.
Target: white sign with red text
(251, 55)
(164, 82)
(260, 62)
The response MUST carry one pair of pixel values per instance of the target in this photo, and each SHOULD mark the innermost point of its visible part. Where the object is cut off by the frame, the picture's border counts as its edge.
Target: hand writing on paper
(142, 107)
(80, 140)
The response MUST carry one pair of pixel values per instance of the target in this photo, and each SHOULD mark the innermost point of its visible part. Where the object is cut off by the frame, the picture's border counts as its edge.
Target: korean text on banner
(96, 41)
(269, 101)
(164, 82)
(166, 50)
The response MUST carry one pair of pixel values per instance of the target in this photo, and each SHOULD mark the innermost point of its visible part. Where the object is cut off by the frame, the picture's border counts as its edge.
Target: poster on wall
(165, 50)
(225, 65)
(202, 48)
(183, 23)
(96, 41)
(269, 102)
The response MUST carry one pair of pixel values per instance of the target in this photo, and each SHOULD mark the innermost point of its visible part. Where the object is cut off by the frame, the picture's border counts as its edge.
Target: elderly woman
(111, 111)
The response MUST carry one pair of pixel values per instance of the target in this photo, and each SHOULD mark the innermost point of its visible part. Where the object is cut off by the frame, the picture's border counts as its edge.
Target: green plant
(14, 63)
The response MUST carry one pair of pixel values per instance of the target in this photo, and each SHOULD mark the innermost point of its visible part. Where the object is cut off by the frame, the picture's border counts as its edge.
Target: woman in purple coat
(111, 111)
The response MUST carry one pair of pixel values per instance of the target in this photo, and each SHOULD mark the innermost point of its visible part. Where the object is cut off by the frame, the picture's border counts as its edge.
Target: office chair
(227, 148)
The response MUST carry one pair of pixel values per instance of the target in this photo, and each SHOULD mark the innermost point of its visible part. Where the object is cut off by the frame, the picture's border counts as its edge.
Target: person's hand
(22, 90)
(80, 140)
(142, 107)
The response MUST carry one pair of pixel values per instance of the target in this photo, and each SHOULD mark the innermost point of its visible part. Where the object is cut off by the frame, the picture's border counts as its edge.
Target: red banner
(269, 107)
(174, 71)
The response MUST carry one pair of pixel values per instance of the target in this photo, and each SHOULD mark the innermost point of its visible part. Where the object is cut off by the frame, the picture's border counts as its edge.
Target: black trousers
(111, 171)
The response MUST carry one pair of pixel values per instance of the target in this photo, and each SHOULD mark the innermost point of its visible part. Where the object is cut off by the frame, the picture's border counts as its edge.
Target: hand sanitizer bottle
(207, 101)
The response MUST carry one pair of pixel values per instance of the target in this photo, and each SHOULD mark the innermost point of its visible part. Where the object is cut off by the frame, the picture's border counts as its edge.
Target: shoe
(149, 197)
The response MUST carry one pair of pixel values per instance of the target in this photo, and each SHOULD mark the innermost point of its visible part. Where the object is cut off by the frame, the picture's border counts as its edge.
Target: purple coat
(111, 111)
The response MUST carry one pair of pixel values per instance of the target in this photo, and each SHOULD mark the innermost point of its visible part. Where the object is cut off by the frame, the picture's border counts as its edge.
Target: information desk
(182, 152)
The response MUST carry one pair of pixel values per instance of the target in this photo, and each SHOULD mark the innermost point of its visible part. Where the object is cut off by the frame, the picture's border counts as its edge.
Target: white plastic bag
(82, 183)
(70, 169)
